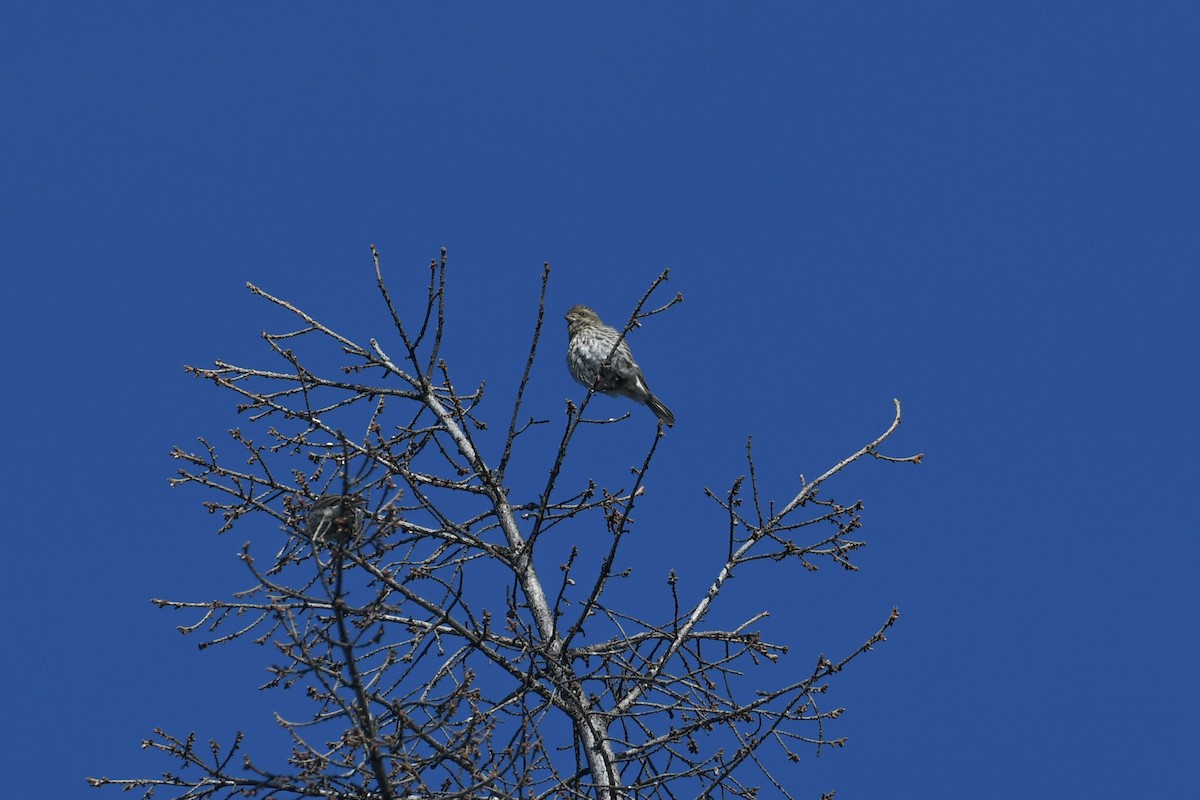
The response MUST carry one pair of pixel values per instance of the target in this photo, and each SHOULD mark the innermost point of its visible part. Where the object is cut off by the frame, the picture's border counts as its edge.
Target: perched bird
(335, 518)
(590, 343)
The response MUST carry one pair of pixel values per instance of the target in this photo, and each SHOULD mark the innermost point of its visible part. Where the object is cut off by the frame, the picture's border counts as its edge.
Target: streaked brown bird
(590, 342)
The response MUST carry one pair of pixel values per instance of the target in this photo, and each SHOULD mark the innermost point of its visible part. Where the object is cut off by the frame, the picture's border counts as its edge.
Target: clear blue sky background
(989, 211)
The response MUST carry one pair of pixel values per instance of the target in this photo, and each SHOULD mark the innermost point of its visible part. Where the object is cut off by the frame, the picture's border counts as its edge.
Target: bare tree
(405, 598)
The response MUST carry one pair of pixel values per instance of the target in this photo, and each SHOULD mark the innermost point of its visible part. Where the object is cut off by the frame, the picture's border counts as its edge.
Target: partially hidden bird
(336, 518)
(590, 343)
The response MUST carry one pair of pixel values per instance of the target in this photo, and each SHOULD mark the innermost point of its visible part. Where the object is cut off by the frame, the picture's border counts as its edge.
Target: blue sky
(986, 210)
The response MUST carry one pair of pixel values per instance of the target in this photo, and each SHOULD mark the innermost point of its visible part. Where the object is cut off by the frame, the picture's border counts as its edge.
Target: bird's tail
(660, 411)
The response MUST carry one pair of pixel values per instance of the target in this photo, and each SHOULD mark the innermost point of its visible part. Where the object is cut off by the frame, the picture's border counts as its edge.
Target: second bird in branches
(591, 343)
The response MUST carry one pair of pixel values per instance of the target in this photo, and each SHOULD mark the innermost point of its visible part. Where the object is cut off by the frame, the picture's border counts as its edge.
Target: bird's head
(578, 316)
